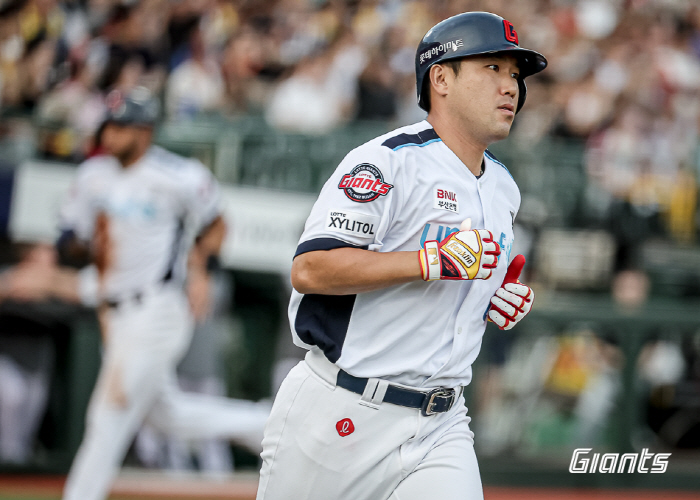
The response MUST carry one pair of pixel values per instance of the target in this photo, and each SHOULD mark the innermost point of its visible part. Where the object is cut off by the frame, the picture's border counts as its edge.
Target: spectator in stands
(377, 92)
(245, 58)
(309, 101)
(195, 86)
(77, 107)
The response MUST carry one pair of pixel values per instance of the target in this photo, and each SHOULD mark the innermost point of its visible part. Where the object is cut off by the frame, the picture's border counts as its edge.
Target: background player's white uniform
(390, 194)
(155, 208)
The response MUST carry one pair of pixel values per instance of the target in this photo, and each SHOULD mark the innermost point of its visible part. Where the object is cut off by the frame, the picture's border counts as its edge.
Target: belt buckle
(429, 402)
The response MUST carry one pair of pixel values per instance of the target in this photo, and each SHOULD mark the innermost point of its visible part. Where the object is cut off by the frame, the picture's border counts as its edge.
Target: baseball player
(151, 220)
(403, 259)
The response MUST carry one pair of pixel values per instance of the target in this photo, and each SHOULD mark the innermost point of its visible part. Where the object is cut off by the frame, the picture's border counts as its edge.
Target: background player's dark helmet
(138, 107)
(471, 34)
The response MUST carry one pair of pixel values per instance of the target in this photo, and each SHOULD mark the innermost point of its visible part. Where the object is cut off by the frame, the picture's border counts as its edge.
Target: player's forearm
(207, 246)
(210, 240)
(344, 271)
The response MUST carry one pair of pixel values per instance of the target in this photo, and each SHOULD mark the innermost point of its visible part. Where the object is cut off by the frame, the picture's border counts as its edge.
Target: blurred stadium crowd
(624, 77)
(623, 83)
(625, 73)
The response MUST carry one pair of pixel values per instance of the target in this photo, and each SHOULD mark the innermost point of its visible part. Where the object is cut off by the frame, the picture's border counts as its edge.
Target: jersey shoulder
(99, 162)
(503, 177)
(171, 162)
(100, 166)
(175, 166)
(498, 164)
(419, 134)
(382, 149)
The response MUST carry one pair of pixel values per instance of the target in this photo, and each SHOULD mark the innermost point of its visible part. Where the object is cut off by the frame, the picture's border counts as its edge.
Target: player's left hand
(465, 255)
(513, 300)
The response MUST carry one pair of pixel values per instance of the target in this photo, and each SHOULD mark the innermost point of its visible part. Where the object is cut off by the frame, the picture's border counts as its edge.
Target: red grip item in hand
(510, 305)
(514, 269)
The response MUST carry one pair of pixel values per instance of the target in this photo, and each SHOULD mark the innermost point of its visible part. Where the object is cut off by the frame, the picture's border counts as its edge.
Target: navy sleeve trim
(323, 321)
(324, 244)
(175, 250)
(420, 139)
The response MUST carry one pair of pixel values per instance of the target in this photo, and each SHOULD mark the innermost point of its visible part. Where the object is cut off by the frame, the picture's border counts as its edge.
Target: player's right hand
(464, 255)
(513, 300)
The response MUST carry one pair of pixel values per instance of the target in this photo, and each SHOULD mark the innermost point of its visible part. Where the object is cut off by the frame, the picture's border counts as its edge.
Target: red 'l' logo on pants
(345, 427)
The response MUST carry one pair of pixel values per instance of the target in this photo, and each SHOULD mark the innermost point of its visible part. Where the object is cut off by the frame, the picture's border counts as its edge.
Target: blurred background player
(149, 220)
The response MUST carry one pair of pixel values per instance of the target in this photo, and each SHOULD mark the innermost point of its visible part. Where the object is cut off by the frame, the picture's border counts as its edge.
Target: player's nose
(509, 86)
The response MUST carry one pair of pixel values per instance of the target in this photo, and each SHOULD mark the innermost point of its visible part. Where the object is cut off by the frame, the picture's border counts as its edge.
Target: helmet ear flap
(424, 95)
(522, 93)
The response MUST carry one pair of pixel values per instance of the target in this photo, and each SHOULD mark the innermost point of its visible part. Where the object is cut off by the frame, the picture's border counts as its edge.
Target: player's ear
(440, 77)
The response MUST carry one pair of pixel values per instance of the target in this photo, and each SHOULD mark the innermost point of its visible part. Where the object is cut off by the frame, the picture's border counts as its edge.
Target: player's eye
(493, 67)
(515, 75)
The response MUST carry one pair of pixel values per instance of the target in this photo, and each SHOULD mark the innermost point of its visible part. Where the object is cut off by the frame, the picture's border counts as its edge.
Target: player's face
(484, 96)
(121, 141)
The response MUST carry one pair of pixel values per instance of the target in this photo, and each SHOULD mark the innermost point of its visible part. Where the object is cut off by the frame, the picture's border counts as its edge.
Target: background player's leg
(195, 416)
(110, 427)
(449, 471)
(134, 373)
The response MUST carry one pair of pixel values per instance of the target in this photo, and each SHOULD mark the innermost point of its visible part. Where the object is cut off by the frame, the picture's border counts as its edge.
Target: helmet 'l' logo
(511, 34)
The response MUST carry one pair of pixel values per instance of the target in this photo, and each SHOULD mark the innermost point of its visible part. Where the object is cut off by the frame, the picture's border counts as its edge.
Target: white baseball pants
(311, 452)
(144, 342)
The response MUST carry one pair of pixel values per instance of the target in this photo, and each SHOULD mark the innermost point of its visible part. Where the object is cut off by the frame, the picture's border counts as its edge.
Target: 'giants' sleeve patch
(359, 225)
(364, 183)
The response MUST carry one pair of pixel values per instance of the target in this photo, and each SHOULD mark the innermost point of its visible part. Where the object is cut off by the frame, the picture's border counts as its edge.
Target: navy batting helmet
(137, 108)
(471, 34)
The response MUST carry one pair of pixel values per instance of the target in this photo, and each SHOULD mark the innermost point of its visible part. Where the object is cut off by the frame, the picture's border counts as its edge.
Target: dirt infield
(139, 485)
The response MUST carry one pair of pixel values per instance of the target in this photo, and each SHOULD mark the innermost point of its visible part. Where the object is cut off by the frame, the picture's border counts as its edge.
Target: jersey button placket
(484, 213)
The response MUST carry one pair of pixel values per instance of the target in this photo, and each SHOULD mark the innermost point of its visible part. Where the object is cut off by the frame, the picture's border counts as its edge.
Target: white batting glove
(464, 255)
(513, 300)
(511, 304)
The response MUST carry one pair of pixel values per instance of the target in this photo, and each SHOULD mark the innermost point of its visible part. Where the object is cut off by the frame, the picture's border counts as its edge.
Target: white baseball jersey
(392, 194)
(155, 208)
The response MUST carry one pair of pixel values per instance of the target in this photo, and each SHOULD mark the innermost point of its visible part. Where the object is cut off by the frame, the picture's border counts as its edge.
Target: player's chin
(502, 131)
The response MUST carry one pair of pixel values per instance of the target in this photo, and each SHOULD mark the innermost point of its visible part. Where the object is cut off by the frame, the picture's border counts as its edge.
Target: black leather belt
(134, 297)
(438, 400)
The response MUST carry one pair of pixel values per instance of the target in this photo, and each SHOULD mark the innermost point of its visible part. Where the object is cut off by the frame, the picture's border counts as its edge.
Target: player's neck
(465, 147)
